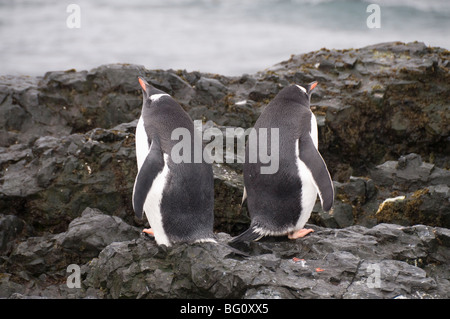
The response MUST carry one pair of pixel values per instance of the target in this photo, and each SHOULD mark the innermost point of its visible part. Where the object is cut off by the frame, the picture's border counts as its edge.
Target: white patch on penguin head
(301, 88)
(156, 97)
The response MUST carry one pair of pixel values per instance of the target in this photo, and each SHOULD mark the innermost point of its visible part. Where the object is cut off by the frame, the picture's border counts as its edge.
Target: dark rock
(405, 101)
(263, 91)
(326, 65)
(115, 77)
(409, 173)
(37, 265)
(18, 101)
(11, 227)
(8, 287)
(214, 88)
(396, 108)
(412, 192)
(179, 84)
(84, 239)
(65, 79)
(57, 178)
(341, 216)
(386, 261)
(399, 47)
(355, 204)
(430, 206)
(67, 146)
(36, 256)
(89, 234)
(242, 114)
(229, 216)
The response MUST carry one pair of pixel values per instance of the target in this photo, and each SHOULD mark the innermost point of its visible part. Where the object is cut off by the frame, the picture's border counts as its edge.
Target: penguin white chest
(308, 194)
(152, 205)
(309, 189)
(142, 147)
(314, 133)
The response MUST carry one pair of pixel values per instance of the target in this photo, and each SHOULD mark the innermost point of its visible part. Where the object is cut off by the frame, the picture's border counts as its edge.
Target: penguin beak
(143, 84)
(312, 85)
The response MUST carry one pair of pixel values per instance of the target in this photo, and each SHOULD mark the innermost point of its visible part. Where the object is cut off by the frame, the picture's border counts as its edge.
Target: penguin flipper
(312, 159)
(153, 164)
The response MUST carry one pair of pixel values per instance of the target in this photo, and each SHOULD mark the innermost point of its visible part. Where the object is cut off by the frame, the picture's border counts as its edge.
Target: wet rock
(36, 263)
(355, 204)
(85, 237)
(9, 287)
(406, 192)
(229, 216)
(57, 178)
(355, 262)
(214, 88)
(179, 84)
(243, 113)
(385, 261)
(36, 256)
(263, 91)
(404, 101)
(66, 102)
(339, 217)
(412, 192)
(19, 104)
(409, 173)
(430, 206)
(115, 77)
(11, 227)
(53, 181)
(67, 146)
(396, 108)
(89, 234)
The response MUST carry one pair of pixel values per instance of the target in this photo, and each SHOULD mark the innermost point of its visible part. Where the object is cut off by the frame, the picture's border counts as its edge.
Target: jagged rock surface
(67, 155)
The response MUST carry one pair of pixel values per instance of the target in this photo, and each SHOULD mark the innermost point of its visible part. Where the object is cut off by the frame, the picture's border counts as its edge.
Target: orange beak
(314, 85)
(142, 83)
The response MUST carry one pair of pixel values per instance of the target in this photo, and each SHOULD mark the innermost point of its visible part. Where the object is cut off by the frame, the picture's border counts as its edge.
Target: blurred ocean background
(229, 37)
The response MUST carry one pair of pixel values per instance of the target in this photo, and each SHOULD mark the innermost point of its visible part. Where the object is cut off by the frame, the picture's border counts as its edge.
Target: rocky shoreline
(68, 166)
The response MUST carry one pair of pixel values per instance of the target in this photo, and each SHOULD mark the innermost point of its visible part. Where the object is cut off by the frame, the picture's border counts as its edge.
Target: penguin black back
(281, 202)
(177, 197)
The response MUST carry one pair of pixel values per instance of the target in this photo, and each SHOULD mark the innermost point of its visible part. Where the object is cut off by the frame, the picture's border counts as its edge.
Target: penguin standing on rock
(177, 198)
(281, 203)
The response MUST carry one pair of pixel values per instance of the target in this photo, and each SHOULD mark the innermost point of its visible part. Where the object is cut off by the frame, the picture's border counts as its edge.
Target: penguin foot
(148, 231)
(300, 233)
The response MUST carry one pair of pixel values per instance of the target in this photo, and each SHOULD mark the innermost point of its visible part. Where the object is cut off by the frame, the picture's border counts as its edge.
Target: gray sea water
(229, 37)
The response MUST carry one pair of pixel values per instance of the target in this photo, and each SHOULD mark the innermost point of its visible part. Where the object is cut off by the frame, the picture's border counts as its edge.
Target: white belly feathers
(309, 188)
(309, 191)
(152, 205)
(142, 147)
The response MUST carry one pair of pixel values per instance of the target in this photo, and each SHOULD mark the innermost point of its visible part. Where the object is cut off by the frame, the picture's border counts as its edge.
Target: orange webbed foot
(300, 233)
(148, 231)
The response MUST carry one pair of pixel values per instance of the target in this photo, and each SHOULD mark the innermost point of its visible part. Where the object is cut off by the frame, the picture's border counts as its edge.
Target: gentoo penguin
(177, 198)
(281, 203)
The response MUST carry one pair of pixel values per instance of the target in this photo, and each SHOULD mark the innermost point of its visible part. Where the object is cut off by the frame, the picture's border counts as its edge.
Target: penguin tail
(236, 251)
(232, 249)
(249, 235)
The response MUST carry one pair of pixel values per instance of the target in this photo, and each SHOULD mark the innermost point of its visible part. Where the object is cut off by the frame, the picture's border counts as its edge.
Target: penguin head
(308, 89)
(148, 90)
(302, 93)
